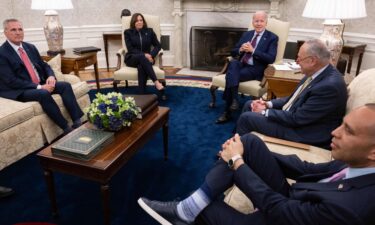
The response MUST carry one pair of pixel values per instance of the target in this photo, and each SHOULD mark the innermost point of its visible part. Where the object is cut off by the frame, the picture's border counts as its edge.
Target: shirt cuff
(39, 86)
(269, 105)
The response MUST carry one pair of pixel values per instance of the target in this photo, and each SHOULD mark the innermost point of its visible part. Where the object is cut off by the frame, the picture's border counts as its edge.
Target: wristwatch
(233, 160)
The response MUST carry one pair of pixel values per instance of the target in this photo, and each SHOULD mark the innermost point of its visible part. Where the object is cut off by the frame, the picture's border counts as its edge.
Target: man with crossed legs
(339, 192)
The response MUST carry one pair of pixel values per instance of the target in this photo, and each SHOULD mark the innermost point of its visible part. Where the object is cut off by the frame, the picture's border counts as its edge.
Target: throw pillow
(55, 64)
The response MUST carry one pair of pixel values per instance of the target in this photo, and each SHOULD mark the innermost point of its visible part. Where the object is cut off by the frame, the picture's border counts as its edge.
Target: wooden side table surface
(71, 61)
(281, 83)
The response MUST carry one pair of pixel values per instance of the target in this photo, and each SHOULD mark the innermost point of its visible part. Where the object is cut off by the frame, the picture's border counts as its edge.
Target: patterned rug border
(184, 81)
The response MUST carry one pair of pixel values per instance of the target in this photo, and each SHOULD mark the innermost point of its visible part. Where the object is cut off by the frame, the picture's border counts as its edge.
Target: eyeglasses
(303, 59)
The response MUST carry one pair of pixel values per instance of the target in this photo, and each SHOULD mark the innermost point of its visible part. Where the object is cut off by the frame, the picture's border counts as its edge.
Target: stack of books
(82, 143)
(146, 103)
(82, 50)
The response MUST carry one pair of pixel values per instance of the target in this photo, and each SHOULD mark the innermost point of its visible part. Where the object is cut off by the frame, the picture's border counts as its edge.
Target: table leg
(165, 140)
(359, 63)
(351, 55)
(48, 175)
(106, 50)
(104, 188)
(97, 76)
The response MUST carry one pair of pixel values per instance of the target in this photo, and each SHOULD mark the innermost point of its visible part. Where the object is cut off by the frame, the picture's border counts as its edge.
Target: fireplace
(209, 46)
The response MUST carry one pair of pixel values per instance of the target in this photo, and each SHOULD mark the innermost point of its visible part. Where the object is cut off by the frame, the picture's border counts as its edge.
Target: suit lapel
(14, 55)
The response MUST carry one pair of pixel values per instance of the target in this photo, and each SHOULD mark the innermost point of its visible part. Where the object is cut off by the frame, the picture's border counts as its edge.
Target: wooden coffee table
(103, 166)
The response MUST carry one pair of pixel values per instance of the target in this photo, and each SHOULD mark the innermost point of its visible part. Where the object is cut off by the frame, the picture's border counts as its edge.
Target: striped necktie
(25, 59)
(248, 55)
(296, 94)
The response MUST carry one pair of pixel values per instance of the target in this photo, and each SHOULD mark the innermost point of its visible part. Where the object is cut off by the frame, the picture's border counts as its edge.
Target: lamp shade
(335, 9)
(51, 4)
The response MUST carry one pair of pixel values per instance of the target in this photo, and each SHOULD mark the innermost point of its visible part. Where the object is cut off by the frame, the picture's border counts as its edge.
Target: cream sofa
(361, 91)
(25, 128)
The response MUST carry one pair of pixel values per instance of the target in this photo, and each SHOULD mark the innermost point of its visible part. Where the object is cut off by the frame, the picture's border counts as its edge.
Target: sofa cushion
(14, 113)
(55, 64)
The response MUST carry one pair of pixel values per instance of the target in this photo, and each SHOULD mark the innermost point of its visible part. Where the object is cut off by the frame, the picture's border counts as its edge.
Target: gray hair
(7, 21)
(316, 47)
(261, 13)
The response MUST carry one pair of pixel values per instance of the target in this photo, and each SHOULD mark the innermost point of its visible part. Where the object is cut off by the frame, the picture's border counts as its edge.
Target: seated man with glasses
(312, 112)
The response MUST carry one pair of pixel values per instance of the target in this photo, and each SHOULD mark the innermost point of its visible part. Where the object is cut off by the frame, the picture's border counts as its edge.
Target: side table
(106, 37)
(351, 50)
(281, 83)
(71, 61)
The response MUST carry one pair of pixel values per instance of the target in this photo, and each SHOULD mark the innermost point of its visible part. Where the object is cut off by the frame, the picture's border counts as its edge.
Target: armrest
(305, 152)
(120, 58)
(225, 67)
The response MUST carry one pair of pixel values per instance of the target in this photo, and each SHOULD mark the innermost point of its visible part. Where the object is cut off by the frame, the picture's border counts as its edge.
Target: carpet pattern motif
(181, 81)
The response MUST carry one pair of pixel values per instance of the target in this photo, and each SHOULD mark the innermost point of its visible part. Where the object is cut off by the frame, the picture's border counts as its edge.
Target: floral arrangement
(112, 111)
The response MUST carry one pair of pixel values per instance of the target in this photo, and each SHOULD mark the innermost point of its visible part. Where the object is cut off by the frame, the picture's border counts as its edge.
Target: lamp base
(53, 53)
(332, 37)
(53, 30)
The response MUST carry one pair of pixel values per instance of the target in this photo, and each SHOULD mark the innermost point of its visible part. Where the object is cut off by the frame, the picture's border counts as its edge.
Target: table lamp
(53, 30)
(333, 11)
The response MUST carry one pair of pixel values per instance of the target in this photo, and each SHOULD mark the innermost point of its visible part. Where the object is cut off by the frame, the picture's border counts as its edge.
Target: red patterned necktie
(248, 55)
(25, 59)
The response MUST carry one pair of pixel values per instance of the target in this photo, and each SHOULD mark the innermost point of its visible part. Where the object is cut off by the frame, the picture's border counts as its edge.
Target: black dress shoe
(163, 212)
(5, 192)
(235, 105)
(225, 117)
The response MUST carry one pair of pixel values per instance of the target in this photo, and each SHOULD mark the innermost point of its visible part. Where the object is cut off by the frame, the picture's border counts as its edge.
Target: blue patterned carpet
(194, 140)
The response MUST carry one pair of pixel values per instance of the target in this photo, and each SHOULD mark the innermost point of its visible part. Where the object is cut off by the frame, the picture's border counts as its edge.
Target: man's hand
(246, 47)
(48, 87)
(51, 81)
(149, 57)
(231, 147)
(258, 106)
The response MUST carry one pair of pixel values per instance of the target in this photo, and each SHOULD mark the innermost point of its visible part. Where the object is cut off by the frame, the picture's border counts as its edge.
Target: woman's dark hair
(134, 19)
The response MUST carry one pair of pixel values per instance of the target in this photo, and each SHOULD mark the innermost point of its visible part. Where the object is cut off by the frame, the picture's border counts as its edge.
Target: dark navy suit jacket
(265, 52)
(144, 41)
(345, 202)
(318, 110)
(14, 78)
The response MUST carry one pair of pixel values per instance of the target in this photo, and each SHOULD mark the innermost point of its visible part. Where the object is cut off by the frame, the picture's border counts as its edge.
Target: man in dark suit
(256, 49)
(339, 192)
(315, 108)
(24, 77)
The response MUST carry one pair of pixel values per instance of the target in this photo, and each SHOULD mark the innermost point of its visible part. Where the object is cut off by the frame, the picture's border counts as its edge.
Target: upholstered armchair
(126, 73)
(361, 91)
(253, 87)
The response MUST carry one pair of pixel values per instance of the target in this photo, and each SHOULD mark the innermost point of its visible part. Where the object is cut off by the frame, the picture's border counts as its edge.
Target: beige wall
(86, 12)
(292, 11)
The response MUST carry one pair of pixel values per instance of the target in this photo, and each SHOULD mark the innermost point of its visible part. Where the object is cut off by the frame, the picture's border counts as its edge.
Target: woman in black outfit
(143, 46)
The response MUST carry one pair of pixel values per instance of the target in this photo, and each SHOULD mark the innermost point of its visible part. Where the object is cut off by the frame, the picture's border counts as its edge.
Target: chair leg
(115, 83)
(213, 89)
(126, 83)
(162, 92)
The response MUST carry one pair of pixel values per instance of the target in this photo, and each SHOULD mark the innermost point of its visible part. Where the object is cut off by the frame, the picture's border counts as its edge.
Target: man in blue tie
(339, 192)
(255, 50)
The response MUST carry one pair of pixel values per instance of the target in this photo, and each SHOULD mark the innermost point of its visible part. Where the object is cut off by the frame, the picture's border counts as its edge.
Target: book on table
(87, 49)
(82, 143)
(146, 103)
